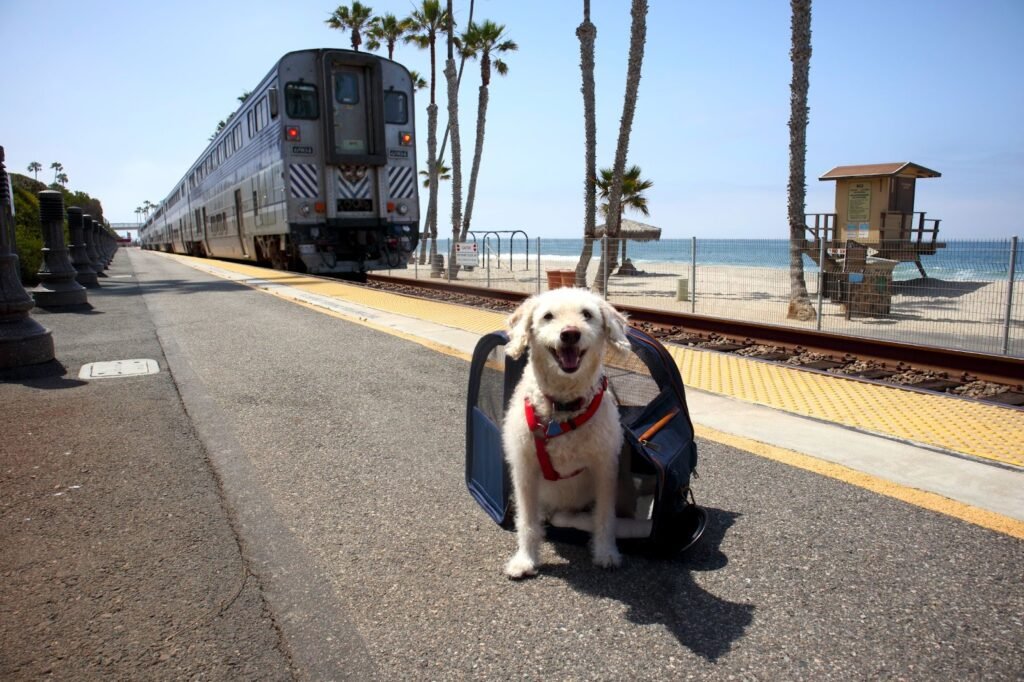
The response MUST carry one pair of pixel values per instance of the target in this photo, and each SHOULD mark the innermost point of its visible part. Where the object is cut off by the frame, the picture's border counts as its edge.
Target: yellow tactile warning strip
(457, 317)
(985, 431)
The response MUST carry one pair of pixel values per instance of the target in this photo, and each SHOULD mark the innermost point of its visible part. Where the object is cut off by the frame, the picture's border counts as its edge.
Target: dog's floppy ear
(519, 325)
(615, 324)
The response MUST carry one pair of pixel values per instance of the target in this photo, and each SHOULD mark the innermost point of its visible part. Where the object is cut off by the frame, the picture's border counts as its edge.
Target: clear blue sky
(126, 94)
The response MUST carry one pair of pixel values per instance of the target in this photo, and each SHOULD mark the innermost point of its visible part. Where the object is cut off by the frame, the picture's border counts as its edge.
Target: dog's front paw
(607, 557)
(520, 566)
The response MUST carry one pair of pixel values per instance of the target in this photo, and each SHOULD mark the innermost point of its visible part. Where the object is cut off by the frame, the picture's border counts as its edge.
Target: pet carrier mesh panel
(658, 456)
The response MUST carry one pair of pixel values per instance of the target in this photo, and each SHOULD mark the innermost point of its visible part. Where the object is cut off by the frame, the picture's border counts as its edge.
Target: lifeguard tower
(873, 229)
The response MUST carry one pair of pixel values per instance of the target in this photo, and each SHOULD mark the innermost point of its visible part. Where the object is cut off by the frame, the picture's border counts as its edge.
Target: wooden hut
(874, 214)
(875, 207)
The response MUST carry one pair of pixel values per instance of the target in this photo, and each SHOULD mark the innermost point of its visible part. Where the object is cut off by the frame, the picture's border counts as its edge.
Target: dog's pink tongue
(569, 358)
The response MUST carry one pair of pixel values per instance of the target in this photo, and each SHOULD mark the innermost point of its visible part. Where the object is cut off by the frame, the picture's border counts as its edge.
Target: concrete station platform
(955, 456)
(283, 499)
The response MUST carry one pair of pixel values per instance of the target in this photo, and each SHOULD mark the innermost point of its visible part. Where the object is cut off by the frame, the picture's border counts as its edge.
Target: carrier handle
(657, 426)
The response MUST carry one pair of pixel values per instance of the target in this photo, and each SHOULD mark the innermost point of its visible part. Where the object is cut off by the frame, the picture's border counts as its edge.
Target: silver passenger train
(316, 170)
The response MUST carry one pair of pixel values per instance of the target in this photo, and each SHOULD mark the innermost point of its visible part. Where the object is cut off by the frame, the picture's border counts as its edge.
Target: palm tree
(637, 39)
(800, 307)
(138, 213)
(443, 173)
(462, 66)
(57, 168)
(62, 178)
(453, 125)
(388, 29)
(482, 41)
(418, 81)
(34, 168)
(355, 19)
(633, 188)
(424, 24)
(587, 33)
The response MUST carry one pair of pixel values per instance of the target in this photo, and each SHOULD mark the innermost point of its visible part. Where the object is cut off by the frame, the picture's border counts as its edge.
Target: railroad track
(976, 376)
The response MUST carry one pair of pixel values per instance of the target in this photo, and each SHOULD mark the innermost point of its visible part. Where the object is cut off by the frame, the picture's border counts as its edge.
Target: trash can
(568, 278)
(554, 279)
(437, 266)
(682, 289)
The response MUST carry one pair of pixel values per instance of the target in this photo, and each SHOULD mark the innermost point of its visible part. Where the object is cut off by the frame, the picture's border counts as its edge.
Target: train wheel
(359, 277)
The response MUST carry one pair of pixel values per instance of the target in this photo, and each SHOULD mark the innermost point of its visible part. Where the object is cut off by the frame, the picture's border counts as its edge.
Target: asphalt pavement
(285, 499)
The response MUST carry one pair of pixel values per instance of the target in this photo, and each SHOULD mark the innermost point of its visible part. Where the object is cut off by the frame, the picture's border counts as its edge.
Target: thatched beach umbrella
(631, 229)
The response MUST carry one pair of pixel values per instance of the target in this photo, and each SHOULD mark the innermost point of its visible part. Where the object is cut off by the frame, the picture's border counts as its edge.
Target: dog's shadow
(664, 591)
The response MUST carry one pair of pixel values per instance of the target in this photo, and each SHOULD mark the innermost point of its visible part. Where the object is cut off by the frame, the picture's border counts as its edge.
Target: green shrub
(28, 237)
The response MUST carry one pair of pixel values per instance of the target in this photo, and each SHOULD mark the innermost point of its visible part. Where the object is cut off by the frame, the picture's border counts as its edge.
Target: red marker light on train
(292, 133)
(405, 138)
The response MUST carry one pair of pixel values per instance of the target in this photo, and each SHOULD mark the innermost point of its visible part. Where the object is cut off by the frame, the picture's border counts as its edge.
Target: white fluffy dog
(560, 408)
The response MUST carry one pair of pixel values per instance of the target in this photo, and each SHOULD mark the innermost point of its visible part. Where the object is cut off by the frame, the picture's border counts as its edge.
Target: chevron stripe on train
(360, 189)
(402, 182)
(304, 179)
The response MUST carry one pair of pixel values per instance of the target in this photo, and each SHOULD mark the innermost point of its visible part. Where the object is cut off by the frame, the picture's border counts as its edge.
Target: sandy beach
(969, 315)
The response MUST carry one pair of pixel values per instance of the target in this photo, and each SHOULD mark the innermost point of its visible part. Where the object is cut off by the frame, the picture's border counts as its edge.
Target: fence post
(821, 277)
(538, 265)
(1009, 295)
(693, 274)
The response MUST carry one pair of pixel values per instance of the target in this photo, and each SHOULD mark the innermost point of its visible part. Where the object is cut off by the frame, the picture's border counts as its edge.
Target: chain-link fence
(964, 294)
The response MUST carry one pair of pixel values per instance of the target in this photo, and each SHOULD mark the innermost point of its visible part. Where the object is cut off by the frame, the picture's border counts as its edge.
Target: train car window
(346, 88)
(396, 107)
(261, 114)
(301, 100)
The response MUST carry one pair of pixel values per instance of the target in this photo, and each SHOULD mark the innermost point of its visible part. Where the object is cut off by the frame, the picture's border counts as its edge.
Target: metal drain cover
(118, 368)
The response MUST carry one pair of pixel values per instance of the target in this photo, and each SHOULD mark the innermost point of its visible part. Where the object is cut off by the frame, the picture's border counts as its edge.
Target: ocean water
(960, 260)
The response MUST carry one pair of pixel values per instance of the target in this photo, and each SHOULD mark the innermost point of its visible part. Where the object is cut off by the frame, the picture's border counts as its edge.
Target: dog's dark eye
(587, 315)
(549, 316)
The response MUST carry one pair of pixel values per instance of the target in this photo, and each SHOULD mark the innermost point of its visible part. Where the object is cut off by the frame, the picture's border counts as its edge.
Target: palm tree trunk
(800, 307)
(453, 123)
(481, 119)
(587, 33)
(637, 39)
(431, 226)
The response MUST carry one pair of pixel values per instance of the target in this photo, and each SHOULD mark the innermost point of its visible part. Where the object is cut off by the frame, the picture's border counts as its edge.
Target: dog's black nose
(570, 336)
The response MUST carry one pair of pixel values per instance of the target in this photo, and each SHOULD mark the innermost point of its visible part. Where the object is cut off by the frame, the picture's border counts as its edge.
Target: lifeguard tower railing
(905, 238)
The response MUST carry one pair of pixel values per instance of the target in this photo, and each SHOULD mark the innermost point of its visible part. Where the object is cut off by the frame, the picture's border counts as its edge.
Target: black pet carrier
(654, 489)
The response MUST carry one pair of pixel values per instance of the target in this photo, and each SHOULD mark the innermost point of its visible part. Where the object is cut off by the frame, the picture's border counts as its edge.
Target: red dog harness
(542, 434)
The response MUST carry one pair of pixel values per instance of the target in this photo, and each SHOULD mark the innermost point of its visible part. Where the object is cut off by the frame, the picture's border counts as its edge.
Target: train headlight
(402, 209)
(305, 210)
(292, 134)
(405, 138)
